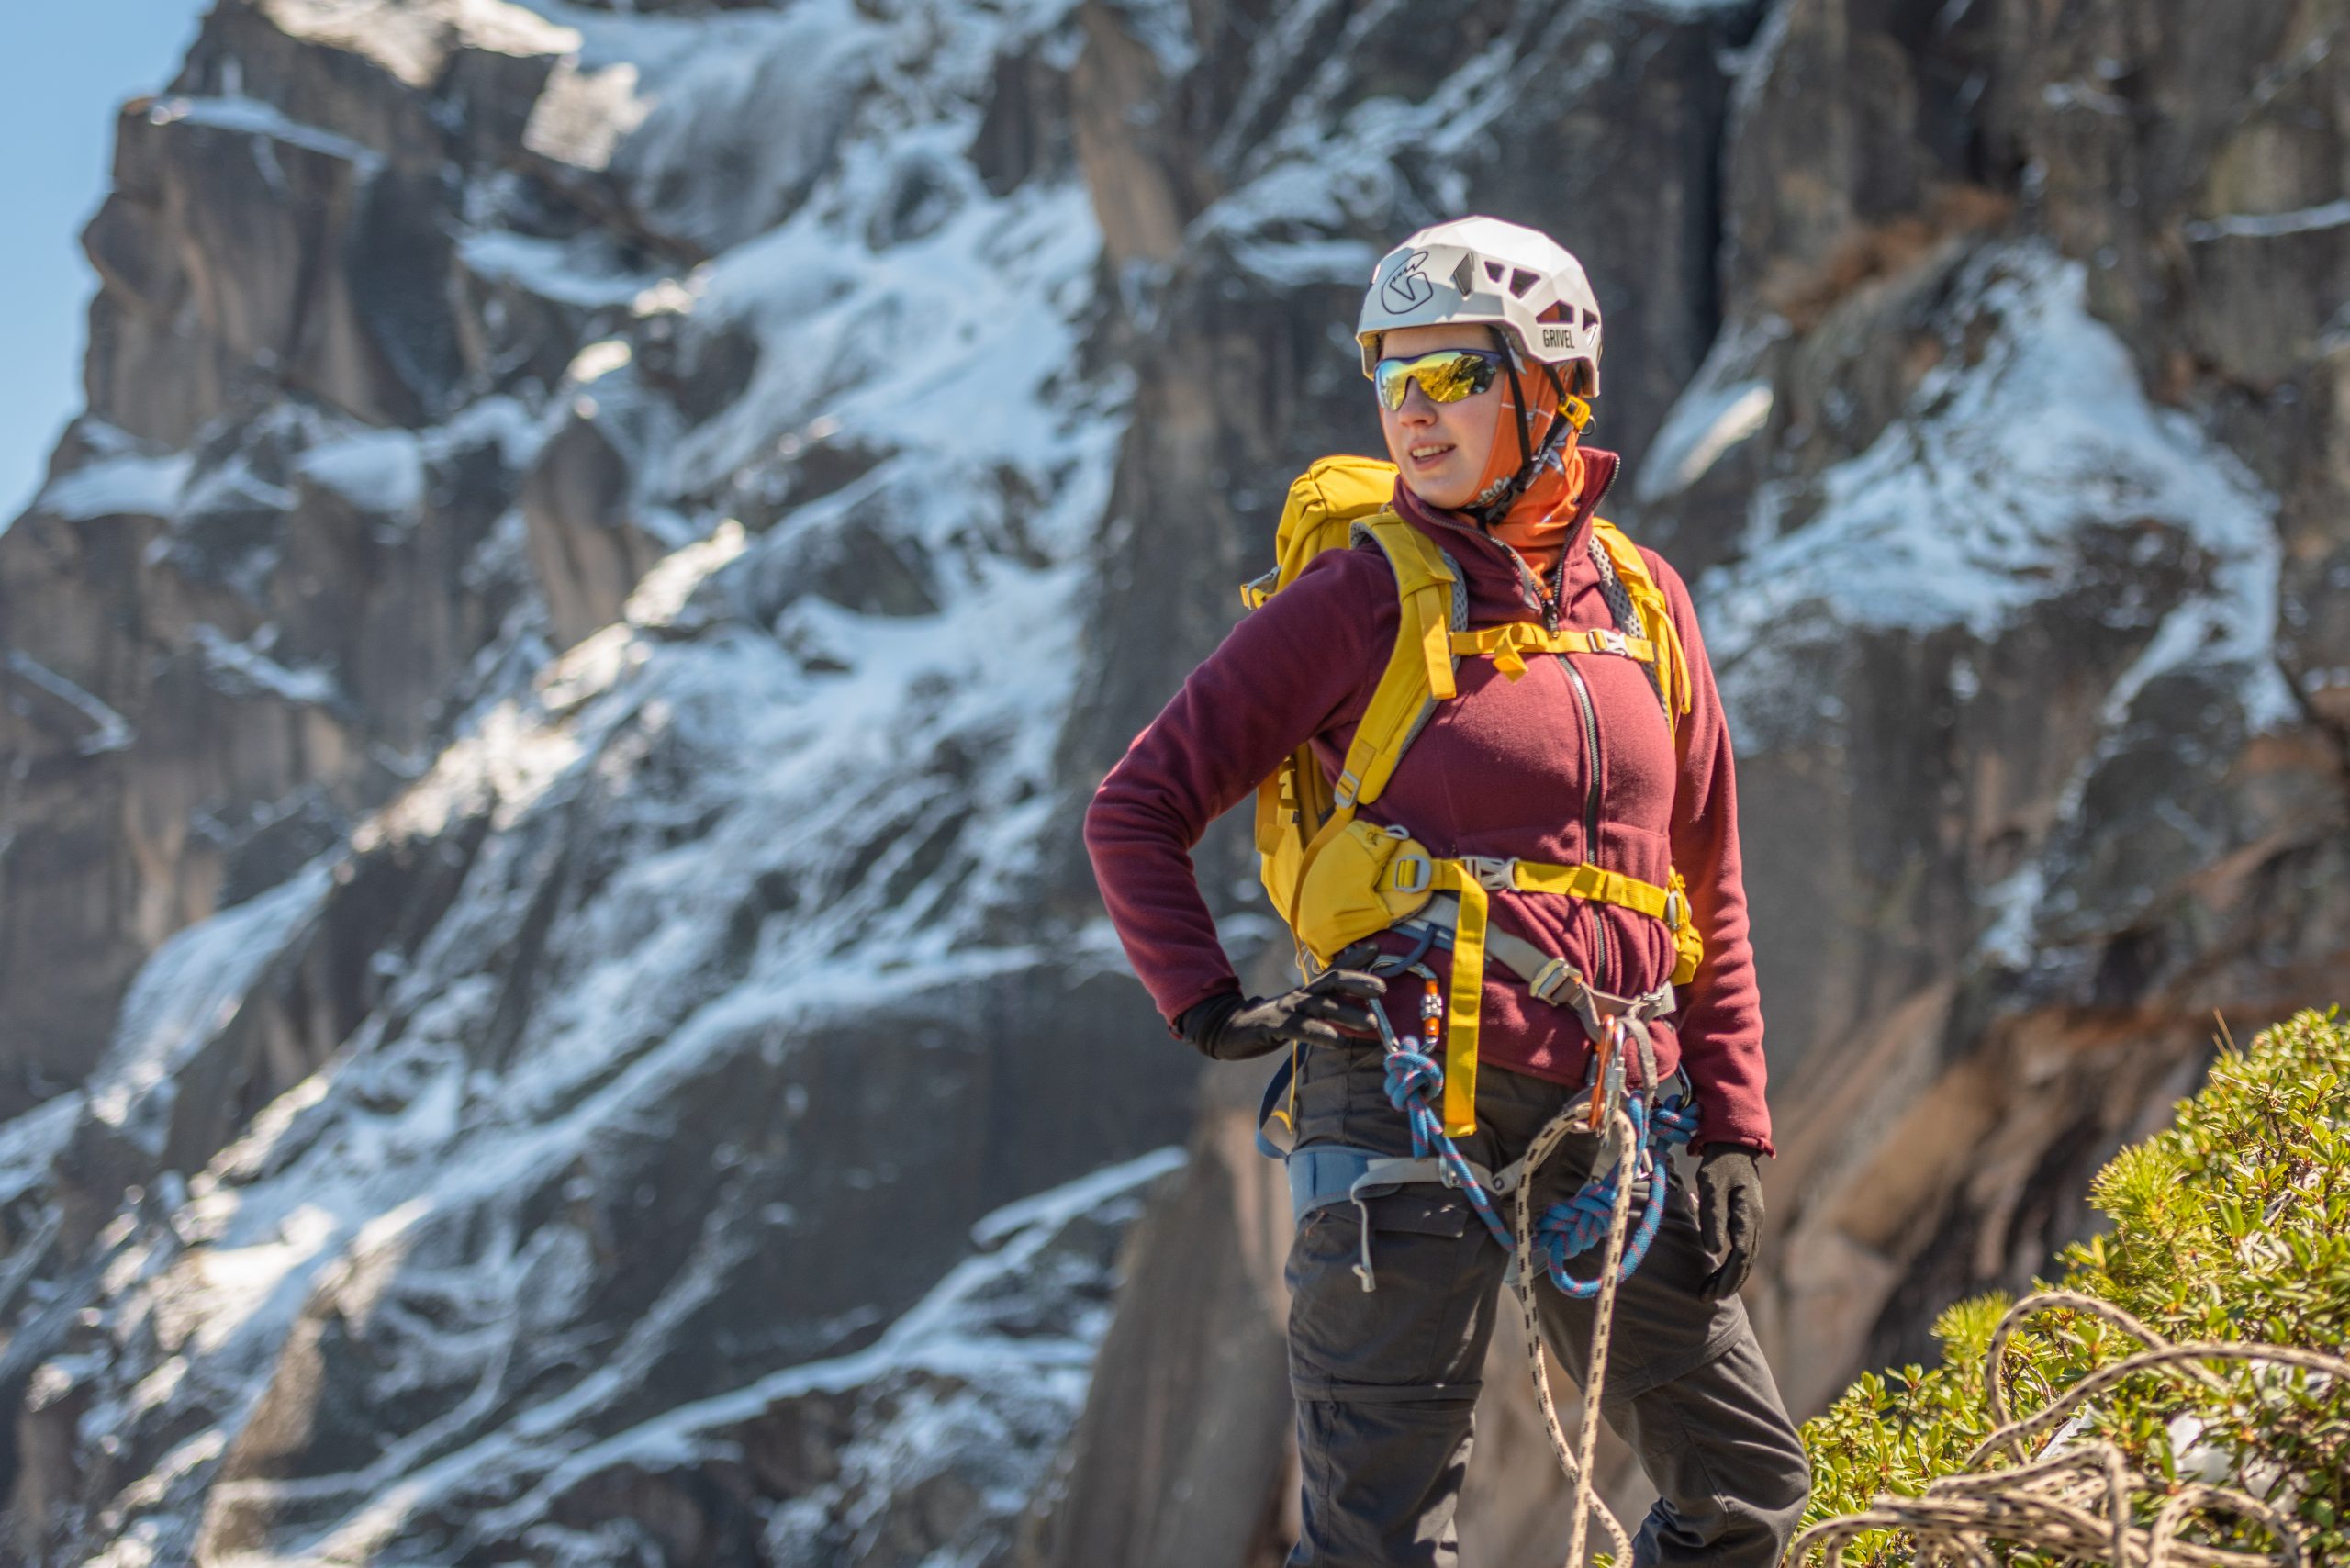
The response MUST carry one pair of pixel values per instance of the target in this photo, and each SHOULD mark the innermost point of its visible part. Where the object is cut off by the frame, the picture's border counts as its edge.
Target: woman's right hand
(1331, 1009)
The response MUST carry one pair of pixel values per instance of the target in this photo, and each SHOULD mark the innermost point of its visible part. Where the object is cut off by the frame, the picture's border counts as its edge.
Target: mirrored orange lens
(1446, 377)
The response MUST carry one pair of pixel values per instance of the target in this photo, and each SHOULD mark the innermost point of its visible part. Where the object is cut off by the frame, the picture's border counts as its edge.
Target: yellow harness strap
(1464, 1003)
(1426, 582)
(1418, 671)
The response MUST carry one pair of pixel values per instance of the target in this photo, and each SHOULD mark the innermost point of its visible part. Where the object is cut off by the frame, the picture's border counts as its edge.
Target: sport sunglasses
(1447, 375)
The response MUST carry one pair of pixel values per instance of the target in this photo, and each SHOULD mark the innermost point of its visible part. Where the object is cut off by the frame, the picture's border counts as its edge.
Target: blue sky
(68, 66)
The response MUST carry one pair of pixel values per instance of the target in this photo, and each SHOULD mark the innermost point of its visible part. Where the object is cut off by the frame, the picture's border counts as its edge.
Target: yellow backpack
(1335, 879)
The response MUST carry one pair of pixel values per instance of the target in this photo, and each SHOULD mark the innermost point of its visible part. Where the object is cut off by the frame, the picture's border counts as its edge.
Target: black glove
(1729, 1204)
(1325, 1010)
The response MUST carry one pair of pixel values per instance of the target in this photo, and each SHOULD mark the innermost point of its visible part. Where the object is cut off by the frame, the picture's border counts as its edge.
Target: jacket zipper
(1591, 801)
(1529, 589)
(1529, 586)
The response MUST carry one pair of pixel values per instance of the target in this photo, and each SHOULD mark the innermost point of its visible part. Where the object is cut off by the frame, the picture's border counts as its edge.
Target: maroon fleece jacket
(1500, 770)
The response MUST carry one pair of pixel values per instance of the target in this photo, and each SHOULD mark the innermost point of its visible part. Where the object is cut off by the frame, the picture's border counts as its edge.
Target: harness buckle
(1411, 872)
(1612, 640)
(1494, 873)
(1613, 1009)
(1555, 980)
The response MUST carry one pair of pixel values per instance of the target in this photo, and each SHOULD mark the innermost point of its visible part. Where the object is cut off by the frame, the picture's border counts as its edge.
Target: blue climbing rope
(1566, 1229)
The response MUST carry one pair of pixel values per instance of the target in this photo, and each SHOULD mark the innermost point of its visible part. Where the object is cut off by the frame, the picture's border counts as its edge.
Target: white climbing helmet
(1482, 269)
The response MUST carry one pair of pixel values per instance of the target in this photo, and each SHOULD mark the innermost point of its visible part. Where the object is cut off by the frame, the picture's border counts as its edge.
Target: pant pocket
(1419, 1333)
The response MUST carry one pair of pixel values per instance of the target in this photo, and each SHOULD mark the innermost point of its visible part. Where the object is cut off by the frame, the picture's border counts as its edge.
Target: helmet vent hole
(1521, 280)
(1493, 271)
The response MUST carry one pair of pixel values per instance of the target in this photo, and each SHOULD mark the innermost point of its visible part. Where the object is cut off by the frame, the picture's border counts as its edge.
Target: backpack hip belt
(1549, 977)
(1449, 898)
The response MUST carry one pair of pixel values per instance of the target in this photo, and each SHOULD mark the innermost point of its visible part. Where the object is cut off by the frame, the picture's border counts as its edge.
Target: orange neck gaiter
(1538, 521)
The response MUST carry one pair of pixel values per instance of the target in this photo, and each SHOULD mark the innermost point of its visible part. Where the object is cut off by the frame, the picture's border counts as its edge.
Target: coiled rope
(1600, 1211)
(2079, 1500)
(1569, 1228)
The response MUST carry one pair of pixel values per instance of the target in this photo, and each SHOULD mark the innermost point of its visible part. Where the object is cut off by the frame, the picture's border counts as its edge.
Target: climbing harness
(1323, 1174)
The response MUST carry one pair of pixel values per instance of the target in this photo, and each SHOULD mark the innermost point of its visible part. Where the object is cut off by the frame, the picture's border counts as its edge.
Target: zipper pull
(1530, 587)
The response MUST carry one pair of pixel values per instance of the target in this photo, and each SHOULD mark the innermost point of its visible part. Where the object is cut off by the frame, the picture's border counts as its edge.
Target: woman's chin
(1445, 493)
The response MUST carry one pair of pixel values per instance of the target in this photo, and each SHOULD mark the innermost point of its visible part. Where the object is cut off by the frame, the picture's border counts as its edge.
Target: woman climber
(1497, 810)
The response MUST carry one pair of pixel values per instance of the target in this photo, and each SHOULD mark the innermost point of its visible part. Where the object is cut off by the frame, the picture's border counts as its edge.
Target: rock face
(551, 1008)
(543, 659)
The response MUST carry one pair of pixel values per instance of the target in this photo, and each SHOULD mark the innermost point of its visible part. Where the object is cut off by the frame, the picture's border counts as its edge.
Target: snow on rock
(254, 118)
(582, 270)
(245, 669)
(108, 731)
(2270, 225)
(1969, 510)
(191, 987)
(2029, 496)
(1720, 409)
(29, 1142)
(378, 470)
(412, 41)
(658, 102)
(125, 485)
(976, 1383)
(356, 1196)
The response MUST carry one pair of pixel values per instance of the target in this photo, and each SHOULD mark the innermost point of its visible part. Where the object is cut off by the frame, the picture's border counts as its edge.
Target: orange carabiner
(1611, 1042)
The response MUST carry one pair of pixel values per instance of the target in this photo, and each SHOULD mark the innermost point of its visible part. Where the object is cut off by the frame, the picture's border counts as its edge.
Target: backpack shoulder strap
(1418, 675)
(1420, 668)
(1622, 570)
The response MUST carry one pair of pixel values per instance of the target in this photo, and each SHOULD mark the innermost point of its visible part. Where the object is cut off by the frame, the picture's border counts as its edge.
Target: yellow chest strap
(1508, 645)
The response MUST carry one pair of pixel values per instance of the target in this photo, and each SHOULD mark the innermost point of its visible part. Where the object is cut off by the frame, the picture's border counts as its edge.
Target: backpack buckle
(1613, 641)
(1494, 873)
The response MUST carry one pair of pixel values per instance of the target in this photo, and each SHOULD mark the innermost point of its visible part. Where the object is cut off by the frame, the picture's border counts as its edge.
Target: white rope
(1621, 1145)
(2078, 1501)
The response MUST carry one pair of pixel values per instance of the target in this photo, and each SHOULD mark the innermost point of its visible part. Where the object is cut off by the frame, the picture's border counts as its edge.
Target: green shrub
(2233, 1225)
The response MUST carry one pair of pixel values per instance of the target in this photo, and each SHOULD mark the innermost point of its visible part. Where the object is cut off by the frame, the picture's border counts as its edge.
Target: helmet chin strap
(1492, 503)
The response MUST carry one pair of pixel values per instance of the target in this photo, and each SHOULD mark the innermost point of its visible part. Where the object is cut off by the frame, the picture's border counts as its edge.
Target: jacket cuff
(1174, 1015)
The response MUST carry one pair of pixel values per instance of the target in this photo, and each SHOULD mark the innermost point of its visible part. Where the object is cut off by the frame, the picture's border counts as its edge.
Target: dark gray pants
(1386, 1381)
